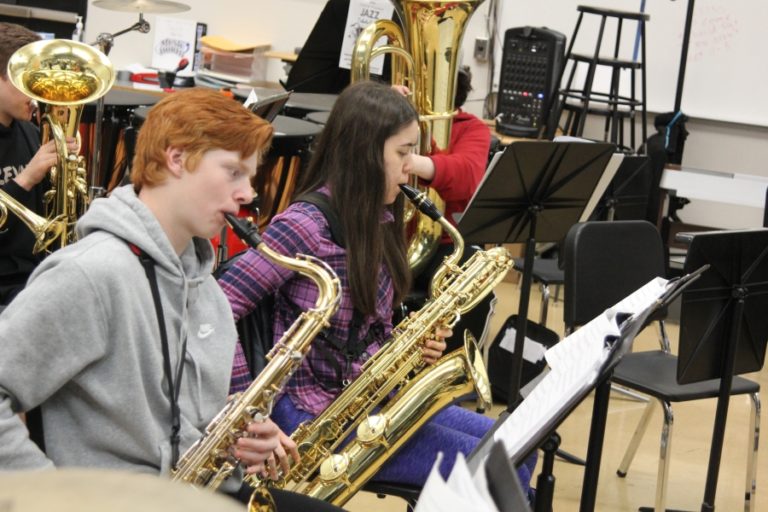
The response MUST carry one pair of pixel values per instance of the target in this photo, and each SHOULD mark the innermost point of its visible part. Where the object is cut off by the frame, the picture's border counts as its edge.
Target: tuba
(63, 75)
(208, 462)
(425, 58)
(391, 368)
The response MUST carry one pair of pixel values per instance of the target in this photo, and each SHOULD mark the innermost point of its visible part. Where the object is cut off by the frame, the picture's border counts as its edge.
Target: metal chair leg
(629, 393)
(664, 453)
(634, 442)
(544, 304)
(663, 338)
(754, 417)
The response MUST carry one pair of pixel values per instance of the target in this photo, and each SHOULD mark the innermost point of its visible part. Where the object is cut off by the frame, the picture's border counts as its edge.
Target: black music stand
(565, 397)
(628, 193)
(533, 192)
(724, 328)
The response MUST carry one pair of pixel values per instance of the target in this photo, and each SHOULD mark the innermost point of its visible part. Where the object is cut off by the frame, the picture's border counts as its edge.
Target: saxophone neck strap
(173, 383)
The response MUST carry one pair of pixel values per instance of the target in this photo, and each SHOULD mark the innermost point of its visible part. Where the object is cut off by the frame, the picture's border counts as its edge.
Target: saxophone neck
(328, 284)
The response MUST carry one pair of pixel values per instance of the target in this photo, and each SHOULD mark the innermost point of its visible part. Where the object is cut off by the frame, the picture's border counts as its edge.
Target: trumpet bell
(61, 72)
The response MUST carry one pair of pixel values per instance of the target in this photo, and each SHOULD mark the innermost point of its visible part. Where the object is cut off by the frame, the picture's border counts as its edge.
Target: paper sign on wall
(361, 14)
(176, 39)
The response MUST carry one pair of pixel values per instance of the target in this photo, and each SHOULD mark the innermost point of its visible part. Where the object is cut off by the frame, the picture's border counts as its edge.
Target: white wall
(284, 24)
(712, 145)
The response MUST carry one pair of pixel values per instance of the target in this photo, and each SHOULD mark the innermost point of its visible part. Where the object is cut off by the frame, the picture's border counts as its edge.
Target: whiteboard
(727, 71)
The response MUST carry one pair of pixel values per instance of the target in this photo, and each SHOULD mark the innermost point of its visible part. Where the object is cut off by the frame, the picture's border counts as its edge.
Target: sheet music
(459, 493)
(575, 364)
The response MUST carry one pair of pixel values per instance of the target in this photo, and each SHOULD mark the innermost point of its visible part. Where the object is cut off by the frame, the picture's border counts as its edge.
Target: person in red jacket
(455, 174)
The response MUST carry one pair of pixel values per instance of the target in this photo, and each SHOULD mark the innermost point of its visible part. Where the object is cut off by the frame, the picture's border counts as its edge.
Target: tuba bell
(425, 58)
(62, 76)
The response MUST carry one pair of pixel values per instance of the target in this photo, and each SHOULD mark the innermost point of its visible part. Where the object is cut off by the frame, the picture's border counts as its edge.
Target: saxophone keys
(372, 430)
(334, 468)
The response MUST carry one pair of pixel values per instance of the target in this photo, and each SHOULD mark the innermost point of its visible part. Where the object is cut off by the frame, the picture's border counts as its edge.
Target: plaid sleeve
(241, 377)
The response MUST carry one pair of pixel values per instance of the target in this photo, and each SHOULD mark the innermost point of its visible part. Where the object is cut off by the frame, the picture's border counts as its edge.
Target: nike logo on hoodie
(204, 331)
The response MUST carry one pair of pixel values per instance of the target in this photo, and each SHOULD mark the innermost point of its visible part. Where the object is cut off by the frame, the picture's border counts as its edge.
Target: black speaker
(530, 67)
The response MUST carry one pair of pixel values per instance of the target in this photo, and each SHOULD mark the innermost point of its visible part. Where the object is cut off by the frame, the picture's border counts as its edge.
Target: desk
(505, 140)
(739, 198)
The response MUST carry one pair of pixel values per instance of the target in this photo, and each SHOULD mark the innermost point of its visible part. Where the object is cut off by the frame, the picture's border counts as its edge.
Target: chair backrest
(605, 262)
(765, 210)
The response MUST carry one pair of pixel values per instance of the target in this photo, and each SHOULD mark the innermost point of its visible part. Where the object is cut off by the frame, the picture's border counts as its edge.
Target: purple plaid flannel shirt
(303, 229)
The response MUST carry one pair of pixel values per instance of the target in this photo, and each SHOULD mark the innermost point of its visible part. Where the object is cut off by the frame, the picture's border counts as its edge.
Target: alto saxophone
(208, 462)
(456, 290)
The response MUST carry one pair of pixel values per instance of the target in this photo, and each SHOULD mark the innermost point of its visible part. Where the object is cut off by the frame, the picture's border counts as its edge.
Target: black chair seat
(409, 493)
(654, 373)
(545, 270)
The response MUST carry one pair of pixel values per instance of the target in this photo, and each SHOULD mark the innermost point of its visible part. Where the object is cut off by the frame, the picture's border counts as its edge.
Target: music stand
(269, 107)
(628, 194)
(534, 192)
(723, 326)
(553, 399)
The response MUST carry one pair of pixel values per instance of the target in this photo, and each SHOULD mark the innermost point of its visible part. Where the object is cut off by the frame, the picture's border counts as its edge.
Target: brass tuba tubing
(46, 231)
(209, 462)
(429, 45)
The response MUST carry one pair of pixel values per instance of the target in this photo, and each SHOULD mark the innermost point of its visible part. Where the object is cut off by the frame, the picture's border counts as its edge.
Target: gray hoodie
(82, 341)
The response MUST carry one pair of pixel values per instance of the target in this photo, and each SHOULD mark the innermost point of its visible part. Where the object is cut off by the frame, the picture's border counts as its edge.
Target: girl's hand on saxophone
(433, 349)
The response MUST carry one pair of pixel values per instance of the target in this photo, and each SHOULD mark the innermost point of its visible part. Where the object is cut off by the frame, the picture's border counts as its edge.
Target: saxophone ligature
(62, 76)
(425, 58)
(209, 462)
(457, 290)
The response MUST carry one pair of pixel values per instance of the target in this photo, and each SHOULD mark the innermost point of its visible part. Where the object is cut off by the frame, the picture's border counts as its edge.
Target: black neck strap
(173, 384)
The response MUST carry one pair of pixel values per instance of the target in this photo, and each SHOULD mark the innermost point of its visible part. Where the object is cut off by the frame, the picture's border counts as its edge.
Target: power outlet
(481, 49)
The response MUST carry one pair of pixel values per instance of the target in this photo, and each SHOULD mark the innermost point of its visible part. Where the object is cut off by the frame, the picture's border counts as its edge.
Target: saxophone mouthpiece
(420, 201)
(248, 232)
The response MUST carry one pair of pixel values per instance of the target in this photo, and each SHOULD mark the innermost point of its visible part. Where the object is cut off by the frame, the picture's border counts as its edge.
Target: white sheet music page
(461, 492)
(575, 364)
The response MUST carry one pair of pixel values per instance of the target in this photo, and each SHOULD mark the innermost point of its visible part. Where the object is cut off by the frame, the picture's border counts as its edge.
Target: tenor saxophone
(209, 462)
(456, 290)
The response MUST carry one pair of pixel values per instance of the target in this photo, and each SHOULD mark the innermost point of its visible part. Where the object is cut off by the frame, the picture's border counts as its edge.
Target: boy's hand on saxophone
(258, 445)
